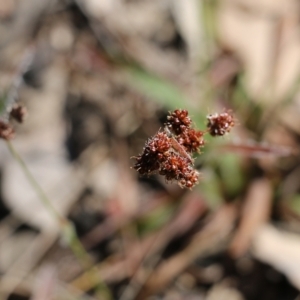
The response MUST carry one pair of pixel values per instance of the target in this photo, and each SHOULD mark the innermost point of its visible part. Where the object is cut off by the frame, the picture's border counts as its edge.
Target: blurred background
(98, 78)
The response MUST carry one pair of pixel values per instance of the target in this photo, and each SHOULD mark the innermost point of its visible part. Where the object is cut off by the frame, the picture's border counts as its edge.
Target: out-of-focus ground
(98, 79)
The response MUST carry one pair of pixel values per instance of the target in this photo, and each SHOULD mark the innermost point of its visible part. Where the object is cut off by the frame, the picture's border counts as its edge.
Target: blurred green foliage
(294, 203)
(156, 219)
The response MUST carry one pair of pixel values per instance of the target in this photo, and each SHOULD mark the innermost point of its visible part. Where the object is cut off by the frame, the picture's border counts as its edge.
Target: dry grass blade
(114, 223)
(22, 266)
(45, 284)
(192, 208)
(255, 212)
(185, 219)
(209, 240)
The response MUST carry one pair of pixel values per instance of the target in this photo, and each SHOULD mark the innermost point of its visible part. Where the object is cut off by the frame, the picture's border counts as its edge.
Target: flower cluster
(178, 121)
(169, 152)
(220, 124)
(18, 113)
(155, 152)
(6, 131)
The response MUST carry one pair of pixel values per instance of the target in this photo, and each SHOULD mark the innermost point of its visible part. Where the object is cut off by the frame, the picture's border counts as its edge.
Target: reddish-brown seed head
(19, 113)
(169, 151)
(178, 121)
(220, 124)
(192, 140)
(6, 131)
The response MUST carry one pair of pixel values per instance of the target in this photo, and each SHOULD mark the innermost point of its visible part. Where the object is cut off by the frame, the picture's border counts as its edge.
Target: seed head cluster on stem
(170, 151)
(18, 113)
(220, 124)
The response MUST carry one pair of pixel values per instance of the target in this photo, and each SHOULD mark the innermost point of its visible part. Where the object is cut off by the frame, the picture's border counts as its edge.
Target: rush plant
(170, 151)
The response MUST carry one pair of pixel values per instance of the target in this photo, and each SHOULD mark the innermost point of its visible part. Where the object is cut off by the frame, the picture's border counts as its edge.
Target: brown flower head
(178, 168)
(154, 151)
(6, 131)
(19, 113)
(220, 124)
(192, 140)
(170, 151)
(178, 121)
(190, 179)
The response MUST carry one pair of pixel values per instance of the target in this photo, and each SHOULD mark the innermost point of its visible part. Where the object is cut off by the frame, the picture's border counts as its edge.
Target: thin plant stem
(42, 196)
(67, 229)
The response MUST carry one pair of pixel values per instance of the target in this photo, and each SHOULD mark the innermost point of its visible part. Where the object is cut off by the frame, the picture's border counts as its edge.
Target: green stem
(35, 185)
(67, 229)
